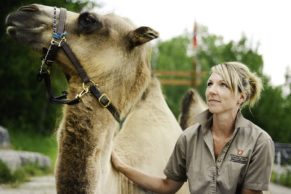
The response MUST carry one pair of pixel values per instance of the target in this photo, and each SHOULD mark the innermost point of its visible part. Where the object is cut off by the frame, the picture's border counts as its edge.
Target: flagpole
(195, 81)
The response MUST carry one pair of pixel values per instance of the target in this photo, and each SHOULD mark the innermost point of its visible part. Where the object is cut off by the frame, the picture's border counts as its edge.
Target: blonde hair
(240, 79)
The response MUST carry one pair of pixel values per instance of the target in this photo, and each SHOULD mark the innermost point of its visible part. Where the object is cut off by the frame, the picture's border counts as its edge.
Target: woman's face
(219, 97)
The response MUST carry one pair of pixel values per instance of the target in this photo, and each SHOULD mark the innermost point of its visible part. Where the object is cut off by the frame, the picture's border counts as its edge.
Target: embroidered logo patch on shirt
(238, 159)
(240, 152)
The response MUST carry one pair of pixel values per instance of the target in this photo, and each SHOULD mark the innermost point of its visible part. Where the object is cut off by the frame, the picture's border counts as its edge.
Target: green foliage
(282, 179)
(172, 56)
(271, 114)
(5, 174)
(24, 104)
(20, 175)
(172, 53)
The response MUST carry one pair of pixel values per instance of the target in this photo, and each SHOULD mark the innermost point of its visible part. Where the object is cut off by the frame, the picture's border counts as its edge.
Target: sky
(263, 22)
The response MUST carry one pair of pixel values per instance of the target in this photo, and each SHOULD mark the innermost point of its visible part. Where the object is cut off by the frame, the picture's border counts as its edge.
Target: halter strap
(62, 20)
(59, 41)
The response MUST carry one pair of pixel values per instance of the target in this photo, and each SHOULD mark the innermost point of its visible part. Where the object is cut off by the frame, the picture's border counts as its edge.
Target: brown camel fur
(114, 54)
(192, 104)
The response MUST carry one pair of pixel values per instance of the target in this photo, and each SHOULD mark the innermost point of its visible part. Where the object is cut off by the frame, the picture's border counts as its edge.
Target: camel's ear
(141, 35)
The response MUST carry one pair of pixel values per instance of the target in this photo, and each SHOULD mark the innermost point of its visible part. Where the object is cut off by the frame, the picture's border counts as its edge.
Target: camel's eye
(88, 23)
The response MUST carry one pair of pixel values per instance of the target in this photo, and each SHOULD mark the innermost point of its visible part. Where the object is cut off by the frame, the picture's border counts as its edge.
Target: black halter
(59, 41)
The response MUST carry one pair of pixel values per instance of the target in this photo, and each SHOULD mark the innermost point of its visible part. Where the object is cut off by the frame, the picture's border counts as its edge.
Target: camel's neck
(85, 144)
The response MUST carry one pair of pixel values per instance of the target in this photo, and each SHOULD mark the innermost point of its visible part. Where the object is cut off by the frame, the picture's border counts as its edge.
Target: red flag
(195, 35)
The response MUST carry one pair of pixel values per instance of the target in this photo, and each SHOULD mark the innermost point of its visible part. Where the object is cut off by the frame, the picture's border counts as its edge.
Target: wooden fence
(179, 78)
(283, 153)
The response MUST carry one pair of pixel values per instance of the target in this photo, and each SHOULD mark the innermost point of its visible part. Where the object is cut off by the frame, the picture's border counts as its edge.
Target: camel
(130, 114)
(192, 105)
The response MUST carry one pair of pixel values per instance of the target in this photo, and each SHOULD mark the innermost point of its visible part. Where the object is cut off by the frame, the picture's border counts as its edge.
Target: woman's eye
(224, 85)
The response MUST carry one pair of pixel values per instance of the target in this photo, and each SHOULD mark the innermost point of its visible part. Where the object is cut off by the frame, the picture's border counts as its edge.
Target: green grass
(21, 174)
(282, 179)
(31, 141)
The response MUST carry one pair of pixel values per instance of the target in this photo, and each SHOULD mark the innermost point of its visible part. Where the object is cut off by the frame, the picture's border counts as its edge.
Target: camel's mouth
(22, 27)
(30, 36)
(15, 30)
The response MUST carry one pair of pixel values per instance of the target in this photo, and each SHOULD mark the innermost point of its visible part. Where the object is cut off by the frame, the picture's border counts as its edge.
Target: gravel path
(46, 185)
(37, 185)
(278, 189)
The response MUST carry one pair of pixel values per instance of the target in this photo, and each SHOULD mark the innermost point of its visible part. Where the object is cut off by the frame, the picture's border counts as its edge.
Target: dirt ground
(37, 185)
(46, 185)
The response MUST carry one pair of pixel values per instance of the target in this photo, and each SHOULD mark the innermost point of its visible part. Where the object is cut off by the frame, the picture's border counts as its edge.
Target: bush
(5, 174)
(282, 179)
(20, 175)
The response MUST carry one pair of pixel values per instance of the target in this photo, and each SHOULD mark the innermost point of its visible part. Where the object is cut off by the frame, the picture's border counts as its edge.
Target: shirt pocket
(232, 173)
(199, 178)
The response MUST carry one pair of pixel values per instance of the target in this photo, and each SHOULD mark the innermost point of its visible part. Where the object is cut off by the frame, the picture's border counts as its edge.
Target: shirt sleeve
(176, 166)
(260, 168)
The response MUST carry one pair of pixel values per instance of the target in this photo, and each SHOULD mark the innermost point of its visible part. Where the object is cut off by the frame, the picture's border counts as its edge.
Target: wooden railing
(179, 78)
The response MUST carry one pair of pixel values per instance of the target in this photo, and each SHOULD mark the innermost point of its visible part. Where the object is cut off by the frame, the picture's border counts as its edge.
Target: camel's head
(100, 42)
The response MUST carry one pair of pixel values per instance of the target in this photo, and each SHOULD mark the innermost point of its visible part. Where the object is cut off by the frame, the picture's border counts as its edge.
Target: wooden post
(194, 79)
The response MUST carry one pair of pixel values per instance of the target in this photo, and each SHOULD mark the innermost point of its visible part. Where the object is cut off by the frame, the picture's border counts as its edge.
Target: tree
(172, 56)
(24, 104)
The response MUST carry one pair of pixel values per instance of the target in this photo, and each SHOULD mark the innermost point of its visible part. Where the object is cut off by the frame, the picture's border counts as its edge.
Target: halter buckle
(104, 100)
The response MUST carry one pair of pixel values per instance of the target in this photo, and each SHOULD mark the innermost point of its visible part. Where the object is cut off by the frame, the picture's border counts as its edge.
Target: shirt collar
(205, 119)
(241, 122)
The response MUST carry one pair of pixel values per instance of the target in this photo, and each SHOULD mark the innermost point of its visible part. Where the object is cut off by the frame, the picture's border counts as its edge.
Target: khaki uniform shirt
(245, 161)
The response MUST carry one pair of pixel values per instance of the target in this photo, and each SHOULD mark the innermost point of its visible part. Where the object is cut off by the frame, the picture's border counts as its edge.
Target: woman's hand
(116, 162)
(148, 182)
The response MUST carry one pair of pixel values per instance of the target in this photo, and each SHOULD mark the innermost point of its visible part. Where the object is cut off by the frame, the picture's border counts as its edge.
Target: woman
(224, 152)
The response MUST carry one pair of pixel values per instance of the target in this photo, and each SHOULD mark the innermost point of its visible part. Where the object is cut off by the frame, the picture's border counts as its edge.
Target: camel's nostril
(28, 8)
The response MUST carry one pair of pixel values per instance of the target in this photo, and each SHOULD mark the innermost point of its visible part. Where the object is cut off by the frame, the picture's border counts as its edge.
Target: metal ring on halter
(89, 84)
(82, 93)
(85, 89)
(57, 42)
